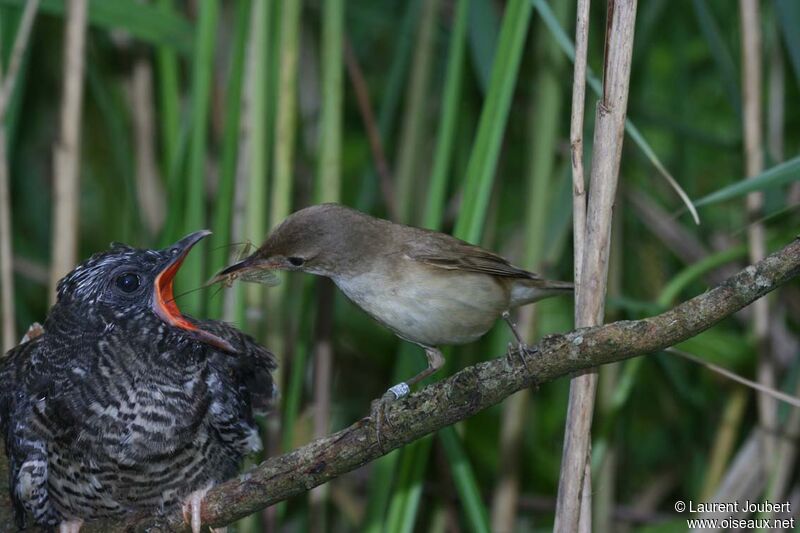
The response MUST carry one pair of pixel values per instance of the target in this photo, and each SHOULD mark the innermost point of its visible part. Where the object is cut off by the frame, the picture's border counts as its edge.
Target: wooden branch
(471, 390)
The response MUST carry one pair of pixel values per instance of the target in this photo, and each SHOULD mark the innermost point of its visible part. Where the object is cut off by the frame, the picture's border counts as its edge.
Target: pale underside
(429, 306)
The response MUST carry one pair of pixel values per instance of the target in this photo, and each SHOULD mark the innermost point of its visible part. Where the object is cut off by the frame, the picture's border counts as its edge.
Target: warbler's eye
(297, 261)
(128, 282)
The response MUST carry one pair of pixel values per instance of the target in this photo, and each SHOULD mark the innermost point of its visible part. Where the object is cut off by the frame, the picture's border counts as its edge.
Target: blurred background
(448, 114)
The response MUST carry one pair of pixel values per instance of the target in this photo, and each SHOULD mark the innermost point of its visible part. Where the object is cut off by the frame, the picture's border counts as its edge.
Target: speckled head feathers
(89, 281)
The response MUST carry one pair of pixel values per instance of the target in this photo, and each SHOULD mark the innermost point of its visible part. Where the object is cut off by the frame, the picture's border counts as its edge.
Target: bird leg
(522, 348)
(513, 326)
(378, 410)
(192, 510)
(70, 526)
(435, 362)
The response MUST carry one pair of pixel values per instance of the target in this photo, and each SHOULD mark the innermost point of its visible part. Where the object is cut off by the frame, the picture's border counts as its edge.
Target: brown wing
(444, 251)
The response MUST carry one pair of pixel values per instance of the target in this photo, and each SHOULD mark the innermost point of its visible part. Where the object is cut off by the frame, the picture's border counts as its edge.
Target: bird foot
(34, 330)
(522, 351)
(378, 409)
(70, 526)
(192, 510)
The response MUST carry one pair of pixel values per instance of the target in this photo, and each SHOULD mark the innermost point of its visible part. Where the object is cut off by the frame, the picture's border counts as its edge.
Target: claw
(522, 351)
(378, 410)
(192, 509)
(402, 389)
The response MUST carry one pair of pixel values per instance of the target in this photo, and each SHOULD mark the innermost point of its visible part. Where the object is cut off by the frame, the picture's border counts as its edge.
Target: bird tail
(526, 291)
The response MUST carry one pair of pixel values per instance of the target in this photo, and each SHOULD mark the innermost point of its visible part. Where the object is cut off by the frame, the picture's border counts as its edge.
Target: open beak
(164, 300)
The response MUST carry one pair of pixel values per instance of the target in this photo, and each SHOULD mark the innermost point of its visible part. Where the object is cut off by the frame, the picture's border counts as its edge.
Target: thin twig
(413, 133)
(786, 457)
(67, 151)
(20, 45)
(744, 480)
(578, 185)
(578, 179)
(6, 269)
(31, 270)
(774, 393)
(776, 108)
(149, 188)
(666, 227)
(576, 137)
(471, 390)
(8, 321)
(604, 489)
(323, 371)
(574, 491)
(754, 164)
(373, 133)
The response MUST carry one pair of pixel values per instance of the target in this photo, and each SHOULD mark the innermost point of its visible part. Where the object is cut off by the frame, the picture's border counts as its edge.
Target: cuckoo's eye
(297, 261)
(128, 282)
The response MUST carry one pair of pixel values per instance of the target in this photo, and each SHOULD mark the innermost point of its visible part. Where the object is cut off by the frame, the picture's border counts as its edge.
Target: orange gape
(167, 309)
(166, 299)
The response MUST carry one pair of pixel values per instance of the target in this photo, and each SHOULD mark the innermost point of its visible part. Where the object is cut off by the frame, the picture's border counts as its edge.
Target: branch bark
(471, 390)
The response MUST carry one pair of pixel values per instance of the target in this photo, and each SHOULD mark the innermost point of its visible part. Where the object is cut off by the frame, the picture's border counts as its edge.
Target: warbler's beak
(249, 264)
(164, 300)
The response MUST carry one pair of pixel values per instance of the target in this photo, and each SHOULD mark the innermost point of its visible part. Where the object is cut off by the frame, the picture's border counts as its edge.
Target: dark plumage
(124, 404)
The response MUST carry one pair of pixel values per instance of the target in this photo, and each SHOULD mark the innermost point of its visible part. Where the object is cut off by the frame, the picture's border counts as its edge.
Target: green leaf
(720, 53)
(195, 190)
(486, 148)
(403, 41)
(781, 174)
(223, 208)
(484, 28)
(437, 187)
(788, 15)
(146, 22)
(408, 491)
(696, 271)
(719, 346)
(464, 479)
